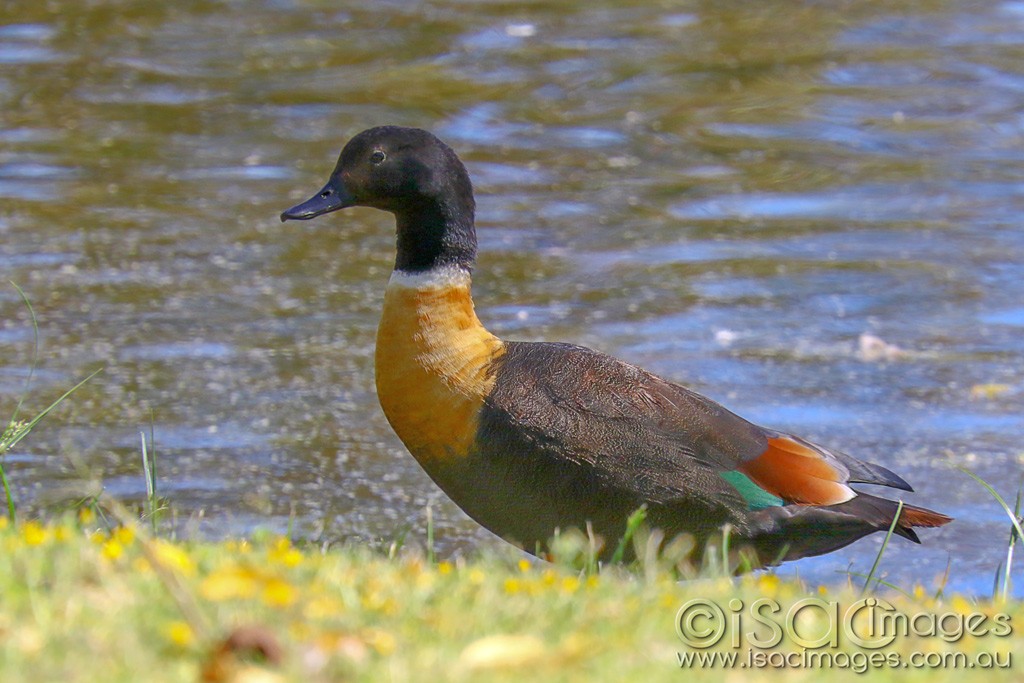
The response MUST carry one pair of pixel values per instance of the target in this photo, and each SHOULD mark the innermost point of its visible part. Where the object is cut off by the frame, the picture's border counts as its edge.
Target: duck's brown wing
(625, 427)
(627, 424)
(634, 435)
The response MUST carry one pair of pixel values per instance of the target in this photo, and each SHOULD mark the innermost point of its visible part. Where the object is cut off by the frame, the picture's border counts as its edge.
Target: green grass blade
(398, 542)
(23, 431)
(726, 533)
(881, 551)
(8, 494)
(1009, 549)
(35, 351)
(632, 524)
(20, 431)
(878, 582)
(149, 473)
(999, 499)
(591, 564)
(13, 432)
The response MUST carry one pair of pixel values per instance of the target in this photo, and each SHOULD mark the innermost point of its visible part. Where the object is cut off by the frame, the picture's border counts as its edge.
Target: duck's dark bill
(332, 197)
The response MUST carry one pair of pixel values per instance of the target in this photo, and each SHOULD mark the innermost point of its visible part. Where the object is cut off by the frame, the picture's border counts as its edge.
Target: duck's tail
(790, 532)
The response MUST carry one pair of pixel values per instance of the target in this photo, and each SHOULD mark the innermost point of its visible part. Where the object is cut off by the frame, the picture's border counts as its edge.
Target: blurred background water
(807, 211)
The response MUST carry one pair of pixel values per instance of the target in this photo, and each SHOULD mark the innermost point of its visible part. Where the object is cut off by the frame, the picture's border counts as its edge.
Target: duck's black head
(415, 176)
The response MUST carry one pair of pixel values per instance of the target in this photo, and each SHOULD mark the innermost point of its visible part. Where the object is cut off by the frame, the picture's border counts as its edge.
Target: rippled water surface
(730, 194)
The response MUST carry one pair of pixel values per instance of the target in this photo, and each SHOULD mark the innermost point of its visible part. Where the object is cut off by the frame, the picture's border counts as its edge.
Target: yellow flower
(229, 583)
(960, 604)
(179, 633)
(512, 586)
(769, 584)
(3, 523)
(281, 544)
(382, 641)
(124, 535)
(34, 533)
(290, 558)
(278, 593)
(525, 565)
(570, 584)
(113, 549)
(444, 568)
(174, 557)
(476, 576)
(86, 515)
(322, 607)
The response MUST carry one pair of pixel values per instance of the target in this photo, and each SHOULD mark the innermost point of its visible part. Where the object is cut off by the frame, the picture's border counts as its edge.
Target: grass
(17, 429)
(83, 603)
(881, 551)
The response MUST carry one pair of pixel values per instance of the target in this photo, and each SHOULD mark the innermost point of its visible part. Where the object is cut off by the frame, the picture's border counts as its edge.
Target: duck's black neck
(434, 234)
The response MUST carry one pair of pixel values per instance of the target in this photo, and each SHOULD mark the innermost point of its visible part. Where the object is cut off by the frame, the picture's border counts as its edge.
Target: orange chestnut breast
(432, 363)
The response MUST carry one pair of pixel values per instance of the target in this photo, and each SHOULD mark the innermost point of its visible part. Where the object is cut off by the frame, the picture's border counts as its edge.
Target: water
(727, 194)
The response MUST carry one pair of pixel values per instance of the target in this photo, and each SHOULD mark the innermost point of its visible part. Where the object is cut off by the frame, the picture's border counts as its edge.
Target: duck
(533, 438)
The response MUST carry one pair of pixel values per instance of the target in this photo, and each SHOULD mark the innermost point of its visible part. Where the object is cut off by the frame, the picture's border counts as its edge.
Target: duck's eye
(378, 156)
